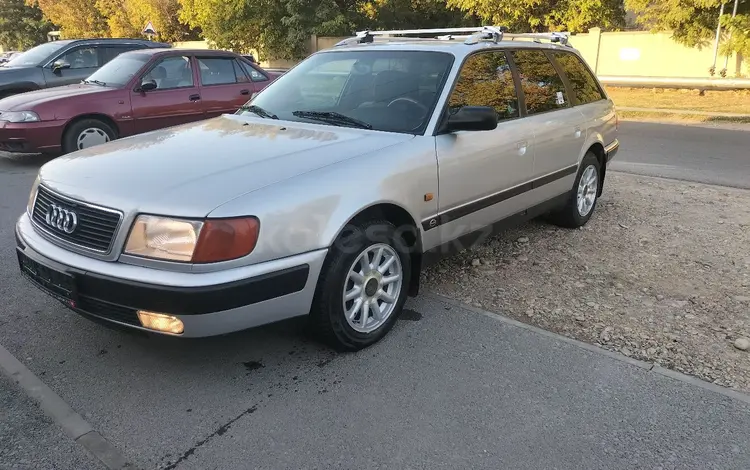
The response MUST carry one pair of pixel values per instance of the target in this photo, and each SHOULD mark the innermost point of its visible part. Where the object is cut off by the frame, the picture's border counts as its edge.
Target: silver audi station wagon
(329, 191)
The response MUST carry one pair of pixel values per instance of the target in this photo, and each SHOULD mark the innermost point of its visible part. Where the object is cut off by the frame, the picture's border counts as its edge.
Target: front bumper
(612, 149)
(31, 137)
(208, 304)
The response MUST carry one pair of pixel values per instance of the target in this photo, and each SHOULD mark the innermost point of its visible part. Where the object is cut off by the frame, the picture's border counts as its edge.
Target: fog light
(161, 322)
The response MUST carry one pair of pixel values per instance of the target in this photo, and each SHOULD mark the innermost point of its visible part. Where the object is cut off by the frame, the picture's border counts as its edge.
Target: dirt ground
(660, 273)
(711, 101)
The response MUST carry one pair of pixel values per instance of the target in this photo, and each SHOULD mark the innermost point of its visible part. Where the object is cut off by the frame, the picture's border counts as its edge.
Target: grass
(711, 101)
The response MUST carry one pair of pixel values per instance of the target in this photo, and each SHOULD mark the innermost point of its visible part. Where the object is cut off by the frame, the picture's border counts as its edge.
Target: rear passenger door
(224, 85)
(596, 110)
(482, 175)
(559, 134)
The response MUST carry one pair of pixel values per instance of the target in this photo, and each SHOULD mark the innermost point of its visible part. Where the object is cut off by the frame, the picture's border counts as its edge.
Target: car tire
(338, 321)
(582, 200)
(87, 133)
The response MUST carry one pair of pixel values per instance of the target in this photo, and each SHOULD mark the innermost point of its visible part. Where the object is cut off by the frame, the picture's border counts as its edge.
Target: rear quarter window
(585, 87)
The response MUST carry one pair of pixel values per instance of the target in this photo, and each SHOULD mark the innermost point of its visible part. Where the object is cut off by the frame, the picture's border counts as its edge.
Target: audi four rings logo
(62, 219)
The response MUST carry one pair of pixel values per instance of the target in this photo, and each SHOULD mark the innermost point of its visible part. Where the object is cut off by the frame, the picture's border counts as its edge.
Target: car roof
(145, 42)
(454, 47)
(164, 50)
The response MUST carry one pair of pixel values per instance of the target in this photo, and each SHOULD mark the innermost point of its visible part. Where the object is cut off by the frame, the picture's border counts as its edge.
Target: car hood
(30, 100)
(190, 170)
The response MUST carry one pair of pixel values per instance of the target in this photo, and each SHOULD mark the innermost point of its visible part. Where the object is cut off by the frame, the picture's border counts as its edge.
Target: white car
(328, 193)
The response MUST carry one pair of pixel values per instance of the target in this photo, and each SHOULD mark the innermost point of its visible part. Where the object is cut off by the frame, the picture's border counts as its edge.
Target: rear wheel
(363, 286)
(582, 201)
(87, 133)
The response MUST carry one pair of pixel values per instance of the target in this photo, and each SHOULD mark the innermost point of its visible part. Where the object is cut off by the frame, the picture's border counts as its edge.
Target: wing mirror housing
(471, 118)
(147, 85)
(59, 65)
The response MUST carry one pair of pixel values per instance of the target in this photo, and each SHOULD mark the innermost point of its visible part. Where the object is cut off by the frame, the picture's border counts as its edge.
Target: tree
(127, 18)
(76, 18)
(412, 14)
(693, 22)
(540, 16)
(22, 26)
(278, 28)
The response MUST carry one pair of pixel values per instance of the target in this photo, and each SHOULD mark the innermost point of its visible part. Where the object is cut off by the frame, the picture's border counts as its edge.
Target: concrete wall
(629, 53)
(641, 53)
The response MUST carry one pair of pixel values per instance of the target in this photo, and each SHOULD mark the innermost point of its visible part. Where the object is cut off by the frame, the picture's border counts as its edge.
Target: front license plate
(58, 284)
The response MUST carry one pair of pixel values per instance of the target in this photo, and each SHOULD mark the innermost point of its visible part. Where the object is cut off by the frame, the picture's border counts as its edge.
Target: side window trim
(444, 108)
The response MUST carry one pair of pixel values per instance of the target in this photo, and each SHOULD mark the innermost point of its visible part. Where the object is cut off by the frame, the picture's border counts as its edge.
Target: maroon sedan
(136, 92)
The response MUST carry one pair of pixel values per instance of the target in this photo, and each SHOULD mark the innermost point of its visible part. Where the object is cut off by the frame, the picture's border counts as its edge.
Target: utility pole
(716, 43)
(734, 13)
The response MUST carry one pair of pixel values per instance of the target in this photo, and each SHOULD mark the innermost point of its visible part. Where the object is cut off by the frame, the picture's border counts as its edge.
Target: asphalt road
(707, 154)
(448, 388)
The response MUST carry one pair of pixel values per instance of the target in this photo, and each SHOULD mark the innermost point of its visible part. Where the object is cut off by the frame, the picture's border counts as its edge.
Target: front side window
(118, 71)
(486, 80)
(171, 73)
(394, 91)
(585, 86)
(542, 87)
(253, 74)
(82, 58)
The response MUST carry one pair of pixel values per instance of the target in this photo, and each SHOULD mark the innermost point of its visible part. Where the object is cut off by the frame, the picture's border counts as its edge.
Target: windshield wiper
(259, 111)
(96, 82)
(332, 117)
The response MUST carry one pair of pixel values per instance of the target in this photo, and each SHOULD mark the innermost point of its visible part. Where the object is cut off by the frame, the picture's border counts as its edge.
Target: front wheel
(363, 286)
(582, 201)
(87, 133)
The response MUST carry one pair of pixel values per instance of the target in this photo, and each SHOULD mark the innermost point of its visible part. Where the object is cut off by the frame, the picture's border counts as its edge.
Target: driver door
(82, 62)
(176, 99)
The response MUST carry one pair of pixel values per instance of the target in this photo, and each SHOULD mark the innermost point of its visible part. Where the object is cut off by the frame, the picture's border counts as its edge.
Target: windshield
(394, 91)
(118, 71)
(36, 55)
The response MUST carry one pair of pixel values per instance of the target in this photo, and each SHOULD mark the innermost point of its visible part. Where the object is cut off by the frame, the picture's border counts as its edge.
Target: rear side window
(542, 87)
(217, 71)
(486, 80)
(584, 84)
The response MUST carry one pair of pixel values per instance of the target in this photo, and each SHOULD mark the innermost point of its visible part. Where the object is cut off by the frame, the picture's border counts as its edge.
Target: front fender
(308, 212)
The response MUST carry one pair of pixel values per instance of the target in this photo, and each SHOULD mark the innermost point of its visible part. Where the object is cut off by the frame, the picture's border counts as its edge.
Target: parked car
(62, 62)
(138, 91)
(7, 55)
(328, 192)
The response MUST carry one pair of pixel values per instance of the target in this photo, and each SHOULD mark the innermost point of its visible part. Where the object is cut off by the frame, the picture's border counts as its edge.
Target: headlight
(206, 241)
(19, 116)
(32, 196)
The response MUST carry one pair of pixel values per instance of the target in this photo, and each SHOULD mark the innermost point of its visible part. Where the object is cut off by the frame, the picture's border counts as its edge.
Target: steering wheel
(409, 100)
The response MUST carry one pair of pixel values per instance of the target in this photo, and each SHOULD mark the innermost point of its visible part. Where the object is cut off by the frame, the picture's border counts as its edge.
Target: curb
(648, 366)
(72, 424)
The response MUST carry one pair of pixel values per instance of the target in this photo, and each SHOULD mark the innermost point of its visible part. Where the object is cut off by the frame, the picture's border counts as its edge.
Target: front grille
(96, 227)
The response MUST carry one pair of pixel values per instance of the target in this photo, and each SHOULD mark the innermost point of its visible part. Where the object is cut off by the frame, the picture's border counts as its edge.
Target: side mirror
(148, 85)
(59, 65)
(472, 118)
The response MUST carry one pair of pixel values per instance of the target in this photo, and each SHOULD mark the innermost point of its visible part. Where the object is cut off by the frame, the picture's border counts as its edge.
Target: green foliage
(738, 34)
(693, 22)
(540, 16)
(22, 26)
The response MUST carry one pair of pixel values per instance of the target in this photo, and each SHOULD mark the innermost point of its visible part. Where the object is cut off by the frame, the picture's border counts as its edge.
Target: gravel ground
(660, 273)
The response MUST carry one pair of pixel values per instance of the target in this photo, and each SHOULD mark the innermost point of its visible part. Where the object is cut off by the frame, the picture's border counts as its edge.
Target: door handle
(521, 146)
(195, 97)
(244, 92)
(578, 132)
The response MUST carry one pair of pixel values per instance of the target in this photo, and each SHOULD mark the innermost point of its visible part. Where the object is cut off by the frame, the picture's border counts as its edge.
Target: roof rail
(475, 34)
(470, 35)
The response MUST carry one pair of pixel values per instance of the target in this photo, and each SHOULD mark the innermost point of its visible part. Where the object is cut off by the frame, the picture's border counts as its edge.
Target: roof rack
(470, 35)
